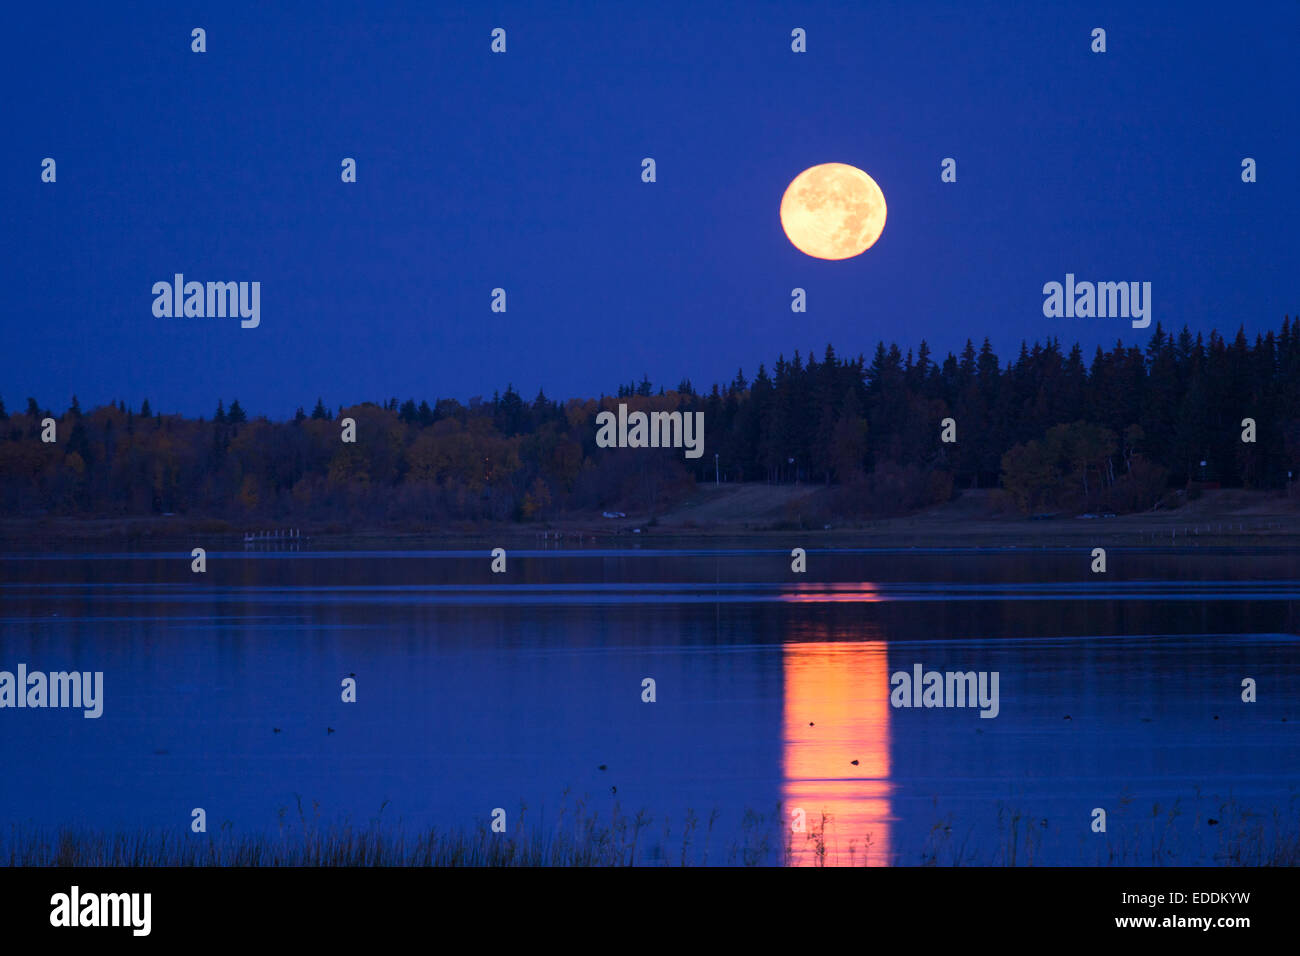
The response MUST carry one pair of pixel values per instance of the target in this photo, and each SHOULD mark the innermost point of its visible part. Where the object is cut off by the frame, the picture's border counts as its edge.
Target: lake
(772, 695)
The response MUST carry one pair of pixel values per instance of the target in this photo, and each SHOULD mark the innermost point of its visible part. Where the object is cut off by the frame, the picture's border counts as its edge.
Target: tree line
(1054, 431)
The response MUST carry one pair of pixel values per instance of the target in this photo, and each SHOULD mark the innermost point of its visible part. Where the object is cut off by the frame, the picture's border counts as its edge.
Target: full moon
(833, 211)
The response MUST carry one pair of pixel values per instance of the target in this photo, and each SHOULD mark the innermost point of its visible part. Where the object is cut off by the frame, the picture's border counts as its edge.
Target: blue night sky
(523, 171)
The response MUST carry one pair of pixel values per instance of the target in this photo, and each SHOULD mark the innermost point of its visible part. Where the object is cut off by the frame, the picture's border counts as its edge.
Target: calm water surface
(475, 691)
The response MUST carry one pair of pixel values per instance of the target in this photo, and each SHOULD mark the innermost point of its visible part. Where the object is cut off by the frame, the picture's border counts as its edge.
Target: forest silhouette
(1055, 432)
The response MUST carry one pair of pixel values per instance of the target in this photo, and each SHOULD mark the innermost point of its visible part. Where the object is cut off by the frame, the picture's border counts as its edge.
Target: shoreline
(617, 837)
(784, 515)
(1277, 532)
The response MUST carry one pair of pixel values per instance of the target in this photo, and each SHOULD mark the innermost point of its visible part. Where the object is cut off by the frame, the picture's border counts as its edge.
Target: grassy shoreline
(27, 536)
(1238, 522)
(746, 513)
(579, 838)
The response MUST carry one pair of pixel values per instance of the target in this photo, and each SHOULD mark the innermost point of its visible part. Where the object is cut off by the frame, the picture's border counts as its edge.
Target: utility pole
(717, 480)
